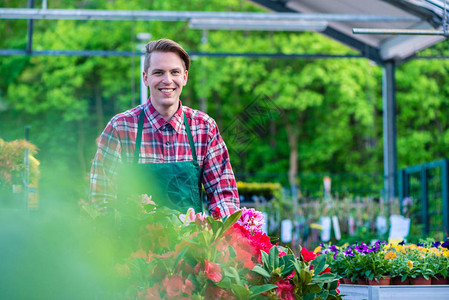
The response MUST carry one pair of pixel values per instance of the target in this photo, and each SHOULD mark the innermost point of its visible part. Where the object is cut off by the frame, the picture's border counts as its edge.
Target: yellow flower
(317, 249)
(410, 264)
(390, 255)
(399, 248)
(422, 249)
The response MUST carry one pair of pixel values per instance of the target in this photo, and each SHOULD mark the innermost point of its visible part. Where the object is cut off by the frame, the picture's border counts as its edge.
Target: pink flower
(285, 290)
(151, 293)
(252, 220)
(189, 217)
(216, 293)
(212, 271)
(177, 286)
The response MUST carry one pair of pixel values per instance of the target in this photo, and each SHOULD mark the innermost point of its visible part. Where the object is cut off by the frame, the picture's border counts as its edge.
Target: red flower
(285, 290)
(307, 255)
(216, 213)
(212, 271)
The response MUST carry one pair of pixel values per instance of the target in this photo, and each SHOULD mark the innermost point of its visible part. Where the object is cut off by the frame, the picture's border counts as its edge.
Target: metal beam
(15, 52)
(389, 130)
(133, 15)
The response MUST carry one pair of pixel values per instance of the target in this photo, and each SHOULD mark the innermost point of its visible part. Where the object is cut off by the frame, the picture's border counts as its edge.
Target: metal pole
(389, 130)
(26, 161)
(143, 87)
(398, 31)
(30, 30)
(424, 201)
(445, 196)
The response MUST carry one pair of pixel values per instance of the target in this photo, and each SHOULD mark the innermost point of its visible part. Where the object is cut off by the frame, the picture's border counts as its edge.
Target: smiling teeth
(167, 90)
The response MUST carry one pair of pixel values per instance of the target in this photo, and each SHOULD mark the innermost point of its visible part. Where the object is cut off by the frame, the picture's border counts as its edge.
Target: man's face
(166, 77)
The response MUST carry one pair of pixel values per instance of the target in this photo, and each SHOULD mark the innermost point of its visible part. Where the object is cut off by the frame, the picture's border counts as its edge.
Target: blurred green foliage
(328, 110)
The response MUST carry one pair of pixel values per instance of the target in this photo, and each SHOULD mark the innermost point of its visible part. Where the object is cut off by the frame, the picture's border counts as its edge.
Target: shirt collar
(157, 121)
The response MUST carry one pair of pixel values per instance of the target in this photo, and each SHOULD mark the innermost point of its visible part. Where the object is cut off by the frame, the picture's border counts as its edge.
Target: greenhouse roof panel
(429, 15)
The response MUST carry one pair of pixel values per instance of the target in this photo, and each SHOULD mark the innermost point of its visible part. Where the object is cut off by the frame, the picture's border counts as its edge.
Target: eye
(157, 73)
(176, 72)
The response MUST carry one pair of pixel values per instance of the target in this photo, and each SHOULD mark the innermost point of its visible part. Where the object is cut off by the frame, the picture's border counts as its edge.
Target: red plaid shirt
(162, 142)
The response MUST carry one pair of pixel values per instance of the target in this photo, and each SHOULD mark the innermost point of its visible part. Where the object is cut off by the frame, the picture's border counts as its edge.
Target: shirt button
(167, 143)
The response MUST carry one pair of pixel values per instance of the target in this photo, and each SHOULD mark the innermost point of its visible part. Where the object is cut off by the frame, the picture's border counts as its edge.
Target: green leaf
(320, 263)
(241, 292)
(259, 270)
(310, 296)
(273, 258)
(256, 290)
(315, 288)
(264, 258)
(231, 220)
(179, 257)
(324, 278)
(226, 283)
(333, 285)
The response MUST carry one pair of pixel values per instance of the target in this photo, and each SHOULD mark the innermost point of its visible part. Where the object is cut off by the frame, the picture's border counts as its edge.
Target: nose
(167, 78)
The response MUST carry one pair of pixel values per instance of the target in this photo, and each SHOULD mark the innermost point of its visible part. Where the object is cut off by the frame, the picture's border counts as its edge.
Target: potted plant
(194, 256)
(362, 262)
(420, 270)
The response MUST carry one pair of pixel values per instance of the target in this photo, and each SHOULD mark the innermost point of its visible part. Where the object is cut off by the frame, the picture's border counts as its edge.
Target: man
(171, 148)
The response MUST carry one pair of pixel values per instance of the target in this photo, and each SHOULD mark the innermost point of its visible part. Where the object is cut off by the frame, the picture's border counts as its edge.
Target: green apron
(176, 185)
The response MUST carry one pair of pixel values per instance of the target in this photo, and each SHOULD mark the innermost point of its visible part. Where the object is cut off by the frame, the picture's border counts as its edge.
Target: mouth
(167, 90)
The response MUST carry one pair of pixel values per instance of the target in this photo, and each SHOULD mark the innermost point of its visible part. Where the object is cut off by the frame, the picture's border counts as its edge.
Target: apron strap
(189, 134)
(139, 137)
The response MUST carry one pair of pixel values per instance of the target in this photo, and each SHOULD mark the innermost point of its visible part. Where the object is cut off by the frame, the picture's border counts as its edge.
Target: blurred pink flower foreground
(252, 220)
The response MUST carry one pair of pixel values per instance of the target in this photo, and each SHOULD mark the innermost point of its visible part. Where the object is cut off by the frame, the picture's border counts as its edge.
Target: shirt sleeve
(103, 173)
(218, 177)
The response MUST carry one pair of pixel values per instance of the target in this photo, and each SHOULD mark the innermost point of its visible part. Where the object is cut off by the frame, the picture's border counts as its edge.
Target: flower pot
(380, 281)
(349, 281)
(361, 281)
(420, 281)
(398, 281)
(345, 280)
(439, 280)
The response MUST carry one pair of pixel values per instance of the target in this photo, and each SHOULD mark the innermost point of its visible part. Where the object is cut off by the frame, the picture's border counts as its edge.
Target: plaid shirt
(163, 142)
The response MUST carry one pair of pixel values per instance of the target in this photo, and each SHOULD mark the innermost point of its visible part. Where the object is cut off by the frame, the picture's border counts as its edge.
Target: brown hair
(165, 45)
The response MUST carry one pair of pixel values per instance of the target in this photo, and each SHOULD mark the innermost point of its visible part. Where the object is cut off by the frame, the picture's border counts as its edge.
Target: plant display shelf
(381, 292)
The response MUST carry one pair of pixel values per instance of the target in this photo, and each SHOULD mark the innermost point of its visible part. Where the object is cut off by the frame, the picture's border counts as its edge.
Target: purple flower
(436, 244)
(349, 252)
(379, 242)
(445, 244)
(361, 248)
(333, 248)
(373, 249)
(420, 244)
(402, 243)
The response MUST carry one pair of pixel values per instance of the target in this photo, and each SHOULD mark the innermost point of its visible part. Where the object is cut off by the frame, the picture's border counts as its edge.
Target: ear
(186, 76)
(145, 78)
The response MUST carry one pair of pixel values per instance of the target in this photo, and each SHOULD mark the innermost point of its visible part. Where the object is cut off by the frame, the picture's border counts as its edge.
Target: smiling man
(170, 148)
